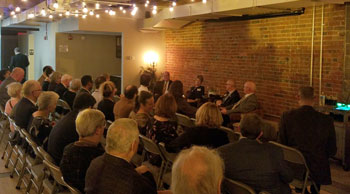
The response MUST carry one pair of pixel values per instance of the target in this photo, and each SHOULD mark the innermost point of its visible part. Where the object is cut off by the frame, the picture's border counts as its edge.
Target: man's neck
(86, 89)
(306, 103)
(124, 156)
(90, 140)
(231, 91)
(42, 113)
(32, 99)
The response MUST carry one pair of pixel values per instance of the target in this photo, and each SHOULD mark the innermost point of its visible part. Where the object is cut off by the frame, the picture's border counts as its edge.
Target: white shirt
(98, 97)
(143, 88)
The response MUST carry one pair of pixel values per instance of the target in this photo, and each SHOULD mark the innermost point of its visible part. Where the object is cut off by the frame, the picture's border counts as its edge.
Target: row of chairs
(33, 172)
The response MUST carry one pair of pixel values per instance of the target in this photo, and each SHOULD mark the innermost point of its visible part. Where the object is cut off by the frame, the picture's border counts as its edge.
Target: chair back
(44, 154)
(291, 154)
(108, 123)
(231, 135)
(232, 187)
(169, 157)
(71, 189)
(55, 172)
(32, 144)
(18, 129)
(63, 104)
(149, 145)
(184, 121)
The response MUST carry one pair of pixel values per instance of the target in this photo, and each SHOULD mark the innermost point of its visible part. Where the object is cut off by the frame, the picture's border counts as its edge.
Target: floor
(341, 179)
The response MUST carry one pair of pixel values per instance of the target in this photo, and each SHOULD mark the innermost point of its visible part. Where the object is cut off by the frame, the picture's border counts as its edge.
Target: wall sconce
(151, 58)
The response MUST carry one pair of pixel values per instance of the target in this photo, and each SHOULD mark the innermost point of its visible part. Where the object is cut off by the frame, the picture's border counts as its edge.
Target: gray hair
(47, 99)
(29, 87)
(66, 77)
(14, 89)
(88, 121)
(75, 84)
(17, 50)
(121, 135)
(197, 170)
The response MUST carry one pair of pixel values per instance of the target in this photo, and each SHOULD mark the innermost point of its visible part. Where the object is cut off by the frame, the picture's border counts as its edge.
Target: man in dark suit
(16, 75)
(70, 94)
(86, 84)
(312, 133)
(62, 87)
(23, 110)
(259, 165)
(64, 132)
(232, 96)
(162, 87)
(113, 172)
(19, 60)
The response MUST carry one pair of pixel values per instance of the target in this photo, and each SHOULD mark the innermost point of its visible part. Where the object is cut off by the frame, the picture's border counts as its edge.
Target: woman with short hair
(40, 126)
(206, 132)
(14, 91)
(106, 105)
(144, 104)
(55, 79)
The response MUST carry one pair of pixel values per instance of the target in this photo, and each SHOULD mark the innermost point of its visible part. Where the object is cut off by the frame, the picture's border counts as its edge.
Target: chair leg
(14, 167)
(9, 156)
(305, 183)
(23, 170)
(3, 154)
(316, 188)
(29, 186)
(159, 179)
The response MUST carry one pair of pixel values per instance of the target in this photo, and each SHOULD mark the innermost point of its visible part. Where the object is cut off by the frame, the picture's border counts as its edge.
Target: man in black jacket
(259, 165)
(113, 172)
(232, 96)
(19, 60)
(16, 75)
(312, 133)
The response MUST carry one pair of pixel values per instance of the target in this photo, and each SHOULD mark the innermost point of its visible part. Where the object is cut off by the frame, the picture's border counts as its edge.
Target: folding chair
(294, 156)
(184, 121)
(20, 153)
(232, 187)
(62, 108)
(73, 190)
(232, 136)
(4, 123)
(12, 149)
(46, 183)
(169, 160)
(56, 173)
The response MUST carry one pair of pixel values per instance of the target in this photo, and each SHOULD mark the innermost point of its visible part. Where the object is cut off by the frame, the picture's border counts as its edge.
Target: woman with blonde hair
(106, 105)
(14, 91)
(206, 132)
(55, 79)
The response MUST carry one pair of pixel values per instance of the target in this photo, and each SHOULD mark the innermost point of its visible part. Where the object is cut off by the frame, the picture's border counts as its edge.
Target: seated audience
(206, 132)
(62, 87)
(106, 76)
(106, 105)
(143, 107)
(55, 79)
(23, 110)
(16, 75)
(248, 103)
(69, 95)
(183, 107)
(47, 70)
(145, 80)
(162, 87)
(14, 91)
(112, 172)
(64, 133)
(126, 103)
(77, 156)
(4, 73)
(197, 170)
(97, 94)
(40, 126)
(232, 96)
(259, 165)
(313, 134)
(164, 125)
(86, 84)
(196, 93)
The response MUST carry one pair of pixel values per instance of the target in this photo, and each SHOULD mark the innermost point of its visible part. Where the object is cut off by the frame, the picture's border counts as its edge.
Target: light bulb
(18, 9)
(121, 8)
(14, 16)
(24, 0)
(146, 5)
(50, 16)
(13, 13)
(67, 13)
(154, 11)
(124, 11)
(97, 6)
(31, 15)
(174, 3)
(97, 15)
(147, 2)
(76, 11)
(76, 15)
(155, 7)
(134, 5)
(84, 4)
(0, 16)
(55, 5)
(204, 1)
(85, 10)
(91, 13)
(43, 12)
(171, 9)
(84, 16)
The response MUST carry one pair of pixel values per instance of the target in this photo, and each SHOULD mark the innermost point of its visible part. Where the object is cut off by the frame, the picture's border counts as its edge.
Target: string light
(124, 11)
(55, 5)
(60, 15)
(91, 13)
(174, 4)
(31, 15)
(121, 8)
(97, 15)
(50, 16)
(204, 1)
(154, 12)
(171, 9)
(67, 13)
(146, 5)
(13, 13)
(43, 12)
(97, 6)
(18, 9)
(147, 2)
(85, 10)
(84, 16)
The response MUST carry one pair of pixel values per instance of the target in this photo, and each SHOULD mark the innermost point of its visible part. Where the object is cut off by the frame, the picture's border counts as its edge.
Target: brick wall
(274, 53)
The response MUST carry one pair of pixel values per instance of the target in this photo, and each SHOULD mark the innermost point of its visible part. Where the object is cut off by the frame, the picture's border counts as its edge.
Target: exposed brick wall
(274, 53)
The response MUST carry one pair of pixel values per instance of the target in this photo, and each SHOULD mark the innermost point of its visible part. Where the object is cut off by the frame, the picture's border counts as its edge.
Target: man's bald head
(17, 74)
(197, 170)
(249, 87)
(130, 91)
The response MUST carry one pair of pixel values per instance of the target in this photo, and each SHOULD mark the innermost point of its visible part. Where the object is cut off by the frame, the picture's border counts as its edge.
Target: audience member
(69, 95)
(55, 79)
(145, 80)
(183, 107)
(196, 93)
(232, 96)
(107, 103)
(19, 60)
(107, 76)
(23, 110)
(197, 170)
(112, 172)
(247, 104)
(40, 126)
(126, 104)
(313, 134)
(77, 156)
(206, 132)
(4, 73)
(142, 113)
(47, 71)
(86, 84)
(259, 165)
(64, 133)
(162, 87)
(97, 94)
(16, 75)
(62, 87)
(14, 91)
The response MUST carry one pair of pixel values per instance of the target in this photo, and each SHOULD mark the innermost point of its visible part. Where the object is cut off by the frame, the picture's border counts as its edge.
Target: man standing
(19, 60)
(312, 133)
(16, 75)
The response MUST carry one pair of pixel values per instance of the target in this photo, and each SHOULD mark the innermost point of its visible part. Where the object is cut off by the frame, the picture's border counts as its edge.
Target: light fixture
(134, 5)
(0, 16)
(91, 13)
(106, 11)
(171, 9)
(154, 12)
(60, 15)
(67, 13)
(146, 5)
(154, 7)
(76, 15)
(97, 15)
(97, 6)
(50, 16)
(31, 15)
(111, 12)
(84, 16)
(174, 4)
(151, 58)
(18, 9)
(85, 10)
(13, 13)
(133, 12)
(84, 4)
(124, 11)
(204, 1)
(43, 12)
(14, 16)
(24, 0)
(55, 5)
(121, 8)
(147, 1)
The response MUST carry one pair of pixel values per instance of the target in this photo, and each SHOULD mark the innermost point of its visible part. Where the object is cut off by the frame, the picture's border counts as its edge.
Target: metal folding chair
(232, 187)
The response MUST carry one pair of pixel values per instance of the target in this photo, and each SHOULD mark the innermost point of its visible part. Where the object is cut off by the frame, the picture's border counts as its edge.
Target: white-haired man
(112, 172)
(62, 87)
(90, 125)
(197, 170)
